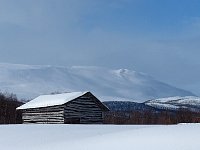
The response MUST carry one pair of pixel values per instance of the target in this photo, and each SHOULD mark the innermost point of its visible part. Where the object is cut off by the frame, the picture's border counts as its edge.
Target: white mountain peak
(29, 81)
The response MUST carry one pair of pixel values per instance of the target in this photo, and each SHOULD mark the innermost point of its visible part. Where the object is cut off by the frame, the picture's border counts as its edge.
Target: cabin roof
(51, 100)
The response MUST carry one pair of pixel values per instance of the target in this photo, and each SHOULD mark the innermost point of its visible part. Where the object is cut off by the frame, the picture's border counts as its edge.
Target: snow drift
(100, 137)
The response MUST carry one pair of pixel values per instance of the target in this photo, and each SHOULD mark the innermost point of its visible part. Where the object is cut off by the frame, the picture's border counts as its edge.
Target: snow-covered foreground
(100, 137)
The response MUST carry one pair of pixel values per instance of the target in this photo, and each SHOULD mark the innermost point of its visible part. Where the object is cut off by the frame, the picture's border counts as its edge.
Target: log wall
(47, 115)
(84, 110)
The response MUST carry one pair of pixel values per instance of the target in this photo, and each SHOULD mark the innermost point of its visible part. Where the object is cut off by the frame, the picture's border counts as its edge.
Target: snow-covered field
(100, 137)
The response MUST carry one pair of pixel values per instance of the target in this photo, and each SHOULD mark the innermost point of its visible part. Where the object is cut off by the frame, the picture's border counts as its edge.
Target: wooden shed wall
(47, 115)
(85, 110)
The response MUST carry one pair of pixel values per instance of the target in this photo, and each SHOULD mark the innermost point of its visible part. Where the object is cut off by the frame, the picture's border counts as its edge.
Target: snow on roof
(51, 100)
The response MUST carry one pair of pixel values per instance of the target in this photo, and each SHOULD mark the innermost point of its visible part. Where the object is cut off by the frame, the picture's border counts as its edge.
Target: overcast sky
(158, 37)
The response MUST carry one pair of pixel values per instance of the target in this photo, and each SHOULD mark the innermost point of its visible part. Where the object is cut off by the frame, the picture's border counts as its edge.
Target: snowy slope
(100, 137)
(122, 84)
(174, 103)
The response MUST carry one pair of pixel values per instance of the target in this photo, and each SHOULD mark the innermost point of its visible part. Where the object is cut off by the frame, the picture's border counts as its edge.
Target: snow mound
(100, 137)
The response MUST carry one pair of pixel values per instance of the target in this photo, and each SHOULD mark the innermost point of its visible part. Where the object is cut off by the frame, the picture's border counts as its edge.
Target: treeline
(8, 105)
(152, 117)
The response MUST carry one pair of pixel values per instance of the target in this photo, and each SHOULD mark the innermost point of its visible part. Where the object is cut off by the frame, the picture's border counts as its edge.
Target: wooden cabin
(69, 108)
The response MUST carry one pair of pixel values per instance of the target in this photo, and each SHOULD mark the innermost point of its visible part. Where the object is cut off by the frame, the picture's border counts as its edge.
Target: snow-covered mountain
(176, 103)
(173, 103)
(122, 84)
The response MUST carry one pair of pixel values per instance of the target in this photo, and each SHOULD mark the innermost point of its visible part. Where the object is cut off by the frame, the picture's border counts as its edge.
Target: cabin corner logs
(85, 109)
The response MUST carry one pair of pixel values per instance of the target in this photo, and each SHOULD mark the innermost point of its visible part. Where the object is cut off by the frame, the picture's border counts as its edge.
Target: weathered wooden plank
(43, 113)
(43, 120)
(40, 122)
(41, 117)
(43, 110)
(83, 113)
(82, 107)
(75, 107)
(82, 117)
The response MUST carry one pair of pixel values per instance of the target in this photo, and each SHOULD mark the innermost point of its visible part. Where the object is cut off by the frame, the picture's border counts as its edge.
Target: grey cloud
(55, 33)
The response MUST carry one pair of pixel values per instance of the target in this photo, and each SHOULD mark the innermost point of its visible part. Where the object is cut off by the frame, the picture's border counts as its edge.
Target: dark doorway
(72, 120)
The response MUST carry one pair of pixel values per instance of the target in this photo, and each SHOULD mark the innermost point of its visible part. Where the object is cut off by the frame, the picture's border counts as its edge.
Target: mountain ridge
(29, 81)
(191, 103)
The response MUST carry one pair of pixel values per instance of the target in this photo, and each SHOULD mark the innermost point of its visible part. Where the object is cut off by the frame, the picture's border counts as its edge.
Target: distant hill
(109, 85)
(128, 106)
(191, 103)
